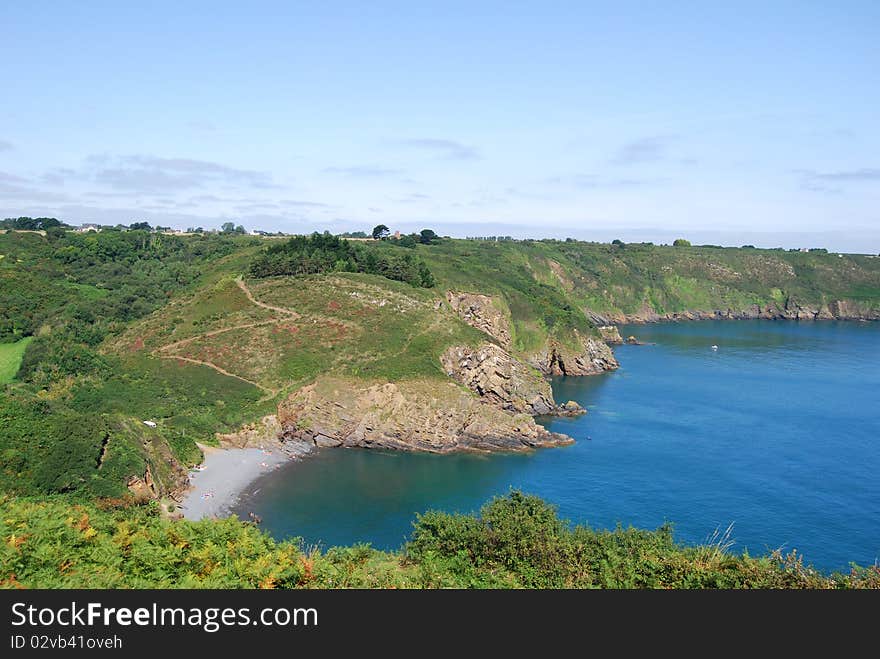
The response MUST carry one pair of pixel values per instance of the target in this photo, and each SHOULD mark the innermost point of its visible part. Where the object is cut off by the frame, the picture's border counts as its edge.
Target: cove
(776, 432)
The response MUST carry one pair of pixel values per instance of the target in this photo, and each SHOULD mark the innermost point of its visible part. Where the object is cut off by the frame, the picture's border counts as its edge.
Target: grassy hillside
(516, 541)
(282, 332)
(71, 421)
(101, 332)
(117, 328)
(555, 281)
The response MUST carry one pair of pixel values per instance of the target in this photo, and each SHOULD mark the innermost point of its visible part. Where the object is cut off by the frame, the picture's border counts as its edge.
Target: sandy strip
(216, 484)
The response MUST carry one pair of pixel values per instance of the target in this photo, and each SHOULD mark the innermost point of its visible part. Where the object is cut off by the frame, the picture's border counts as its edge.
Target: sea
(765, 434)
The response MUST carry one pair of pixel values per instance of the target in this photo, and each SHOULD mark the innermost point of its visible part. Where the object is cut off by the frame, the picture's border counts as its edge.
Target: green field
(10, 358)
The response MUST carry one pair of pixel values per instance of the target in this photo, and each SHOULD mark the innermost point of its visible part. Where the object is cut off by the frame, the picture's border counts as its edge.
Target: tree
(140, 226)
(380, 231)
(240, 229)
(409, 241)
(55, 233)
(228, 227)
(617, 242)
(427, 237)
(681, 242)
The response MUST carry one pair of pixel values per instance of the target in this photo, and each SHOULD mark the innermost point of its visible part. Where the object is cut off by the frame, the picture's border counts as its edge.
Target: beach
(216, 484)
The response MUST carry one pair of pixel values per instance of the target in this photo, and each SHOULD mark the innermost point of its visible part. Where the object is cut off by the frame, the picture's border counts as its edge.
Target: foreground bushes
(516, 541)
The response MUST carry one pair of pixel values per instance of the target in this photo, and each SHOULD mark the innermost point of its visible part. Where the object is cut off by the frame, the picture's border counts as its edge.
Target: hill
(116, 328)
(435, 347)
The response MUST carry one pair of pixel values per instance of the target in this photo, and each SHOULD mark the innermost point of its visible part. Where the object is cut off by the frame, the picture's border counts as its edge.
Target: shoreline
(216, 485)
(700, 316)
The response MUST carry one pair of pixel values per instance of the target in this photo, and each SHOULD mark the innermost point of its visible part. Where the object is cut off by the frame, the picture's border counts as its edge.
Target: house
(86, 228)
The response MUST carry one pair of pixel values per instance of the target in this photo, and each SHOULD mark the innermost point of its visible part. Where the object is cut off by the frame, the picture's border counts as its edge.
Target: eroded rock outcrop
(253, 435)
(143, 487)
(593, 357)
(790, 309)
(610, 334)
(407, 415)
(481, 312)
(494, 375)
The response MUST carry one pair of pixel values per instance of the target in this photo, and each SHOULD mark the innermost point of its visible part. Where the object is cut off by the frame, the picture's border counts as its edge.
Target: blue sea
(776, 432)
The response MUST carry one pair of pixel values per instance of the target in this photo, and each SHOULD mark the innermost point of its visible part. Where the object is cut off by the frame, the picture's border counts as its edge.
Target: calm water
(777, 432)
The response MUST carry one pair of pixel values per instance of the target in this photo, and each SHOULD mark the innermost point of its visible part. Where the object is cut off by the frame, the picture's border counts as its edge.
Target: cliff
(591, 357)
(481, 312)
(407, 415)
(790, 309)
(584, 355)
(498, 378)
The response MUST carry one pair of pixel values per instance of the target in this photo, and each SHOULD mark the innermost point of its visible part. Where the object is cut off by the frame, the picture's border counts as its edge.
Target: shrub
(303, 255)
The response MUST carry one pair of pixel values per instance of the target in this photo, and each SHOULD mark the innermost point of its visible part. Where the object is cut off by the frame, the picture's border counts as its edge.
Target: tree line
(323, 252)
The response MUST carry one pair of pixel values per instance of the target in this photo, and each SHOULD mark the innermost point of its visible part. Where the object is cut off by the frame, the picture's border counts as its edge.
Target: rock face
(789, 310)
(143, 487)
(253, 435)
(593, 358)
(495, 376)
(610, 334)
(480, 312)
(408, 415)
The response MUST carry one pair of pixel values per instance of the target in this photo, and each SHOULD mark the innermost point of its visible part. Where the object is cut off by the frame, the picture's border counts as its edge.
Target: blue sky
(753, 123)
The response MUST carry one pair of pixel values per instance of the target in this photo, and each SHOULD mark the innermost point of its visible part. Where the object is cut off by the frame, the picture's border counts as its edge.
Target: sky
(726, 123)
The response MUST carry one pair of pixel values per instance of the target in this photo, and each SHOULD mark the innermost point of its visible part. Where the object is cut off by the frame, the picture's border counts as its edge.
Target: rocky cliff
(407, 415)
(610, 334)
(791, 309)
(592, 357)
(481, 312)
(499, 379)
(494, 375)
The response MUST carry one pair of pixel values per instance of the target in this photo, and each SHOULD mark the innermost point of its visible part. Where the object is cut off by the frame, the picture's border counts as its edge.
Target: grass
(10, 358)
(346, 324)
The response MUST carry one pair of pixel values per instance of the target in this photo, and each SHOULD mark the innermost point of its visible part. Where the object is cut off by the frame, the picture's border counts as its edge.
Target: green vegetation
(681, 242)
(517, 541)
(71, 422)
(551, 284)
(10, 358)
(30, 223)
(113, 328)
(102, 331)
(303, 255)
(345, 323)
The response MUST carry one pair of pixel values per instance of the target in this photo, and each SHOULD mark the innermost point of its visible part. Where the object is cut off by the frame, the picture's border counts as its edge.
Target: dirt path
(250, 296)
(223, 371)
(183, 342)
(162, 351)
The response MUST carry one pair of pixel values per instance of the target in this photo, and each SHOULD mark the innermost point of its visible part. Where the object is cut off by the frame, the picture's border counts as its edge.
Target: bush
(304, 255)
(519, 540)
